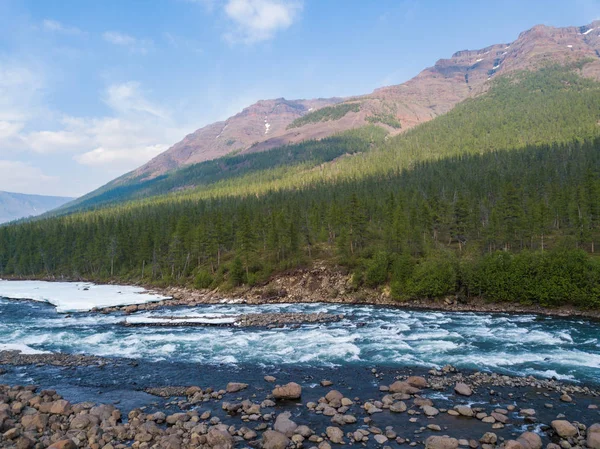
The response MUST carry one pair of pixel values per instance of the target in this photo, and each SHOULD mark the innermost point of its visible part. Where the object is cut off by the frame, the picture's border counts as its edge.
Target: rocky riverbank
(322, 283)
(441, 409)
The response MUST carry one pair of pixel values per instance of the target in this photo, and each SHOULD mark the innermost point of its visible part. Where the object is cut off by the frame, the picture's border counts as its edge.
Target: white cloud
(125, 158)
(17, 176)
(128, 98)
(55, 26)
(133, 44)
(259, 20)
(54, 141)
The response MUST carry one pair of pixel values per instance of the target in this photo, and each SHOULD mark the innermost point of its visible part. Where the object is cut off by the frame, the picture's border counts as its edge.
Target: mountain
(14, 206)
(272, 123)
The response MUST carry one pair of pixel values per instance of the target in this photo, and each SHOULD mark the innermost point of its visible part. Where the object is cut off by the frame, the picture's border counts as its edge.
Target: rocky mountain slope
(272, 123)
(18, 205)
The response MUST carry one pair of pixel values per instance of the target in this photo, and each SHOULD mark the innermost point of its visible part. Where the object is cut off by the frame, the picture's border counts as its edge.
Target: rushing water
(367, 336)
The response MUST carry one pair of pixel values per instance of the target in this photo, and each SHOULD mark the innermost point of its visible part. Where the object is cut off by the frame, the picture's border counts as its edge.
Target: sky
(90, 90)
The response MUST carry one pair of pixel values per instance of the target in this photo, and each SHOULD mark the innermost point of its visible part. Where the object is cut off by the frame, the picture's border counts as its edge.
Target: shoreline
(321, 285)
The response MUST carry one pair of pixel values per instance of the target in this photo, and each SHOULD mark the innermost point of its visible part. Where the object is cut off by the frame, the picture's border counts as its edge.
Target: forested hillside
(504, 187)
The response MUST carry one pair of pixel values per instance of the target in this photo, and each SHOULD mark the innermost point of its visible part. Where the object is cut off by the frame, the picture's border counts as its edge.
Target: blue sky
(92, 89)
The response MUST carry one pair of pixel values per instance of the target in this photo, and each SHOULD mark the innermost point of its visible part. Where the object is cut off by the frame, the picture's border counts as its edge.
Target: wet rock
(434, 427)
(593, 436)
(326, 383)
(398, 407)
(381, 439)
(564, 428)
(335, 434)
(489, 438)
(464, 410)
(417, 382)
(289, 391)
(334, 396)
(403, 387)
(441, 442)
(463, 389)
(566, 398)
(234, 387)
(270, 379)
(274, 440)
(430, 411)
(513, 444)
(530, 440)
(284, 425)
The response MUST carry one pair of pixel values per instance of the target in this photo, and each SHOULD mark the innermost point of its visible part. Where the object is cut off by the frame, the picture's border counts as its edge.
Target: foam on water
(523, 344)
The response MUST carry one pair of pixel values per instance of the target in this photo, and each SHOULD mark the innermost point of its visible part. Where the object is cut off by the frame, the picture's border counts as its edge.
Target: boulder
(489, 438)
(417, 382)
(334, 395)
(219, 438)
(335, 434)
(274, 440)
(60, 407)
(403, 387)
(463, 389)
(439, 442)
(36, 421)
(234, 387)
(530, 440)
(283, 424)
(288, 391)
(564, 428)
(380, 439)
(63, 444)
(464, 410)
(430, 411)
(398, 407)
(593, 436)
(513, 444)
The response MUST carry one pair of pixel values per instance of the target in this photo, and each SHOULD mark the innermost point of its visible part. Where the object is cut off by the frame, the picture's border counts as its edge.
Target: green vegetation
(325, 114)
(386, 119)
(498, 198)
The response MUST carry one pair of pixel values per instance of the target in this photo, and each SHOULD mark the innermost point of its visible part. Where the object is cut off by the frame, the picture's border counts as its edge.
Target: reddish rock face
(436, 90)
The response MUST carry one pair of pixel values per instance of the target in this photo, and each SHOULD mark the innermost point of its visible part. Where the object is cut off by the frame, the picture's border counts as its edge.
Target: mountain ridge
(434, 91)
(15, 206)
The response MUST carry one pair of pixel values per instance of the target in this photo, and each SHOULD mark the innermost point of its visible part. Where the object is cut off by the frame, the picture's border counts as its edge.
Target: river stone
(303, 430)
(270, 379)
(37, 421)
(417, 381)
(564, 428)
(566, 398)
(430, 411)
(103, 411)
(593, 436)
(335, 434)
(63, 444)
(288, 391)
(381, 439)
(60, 407)
(436, 442)
(274, 440)
(530, 440)
(489, 438)
(219, 438)
(234, 387)
(398, 407)
(334, 395)
(284, 425)
(500, 417)
(464, 410)
(403, 387)
(513, 444)
(463, 389)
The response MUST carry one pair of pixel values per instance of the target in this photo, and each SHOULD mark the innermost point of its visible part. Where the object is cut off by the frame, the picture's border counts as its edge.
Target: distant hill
(14, 206)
